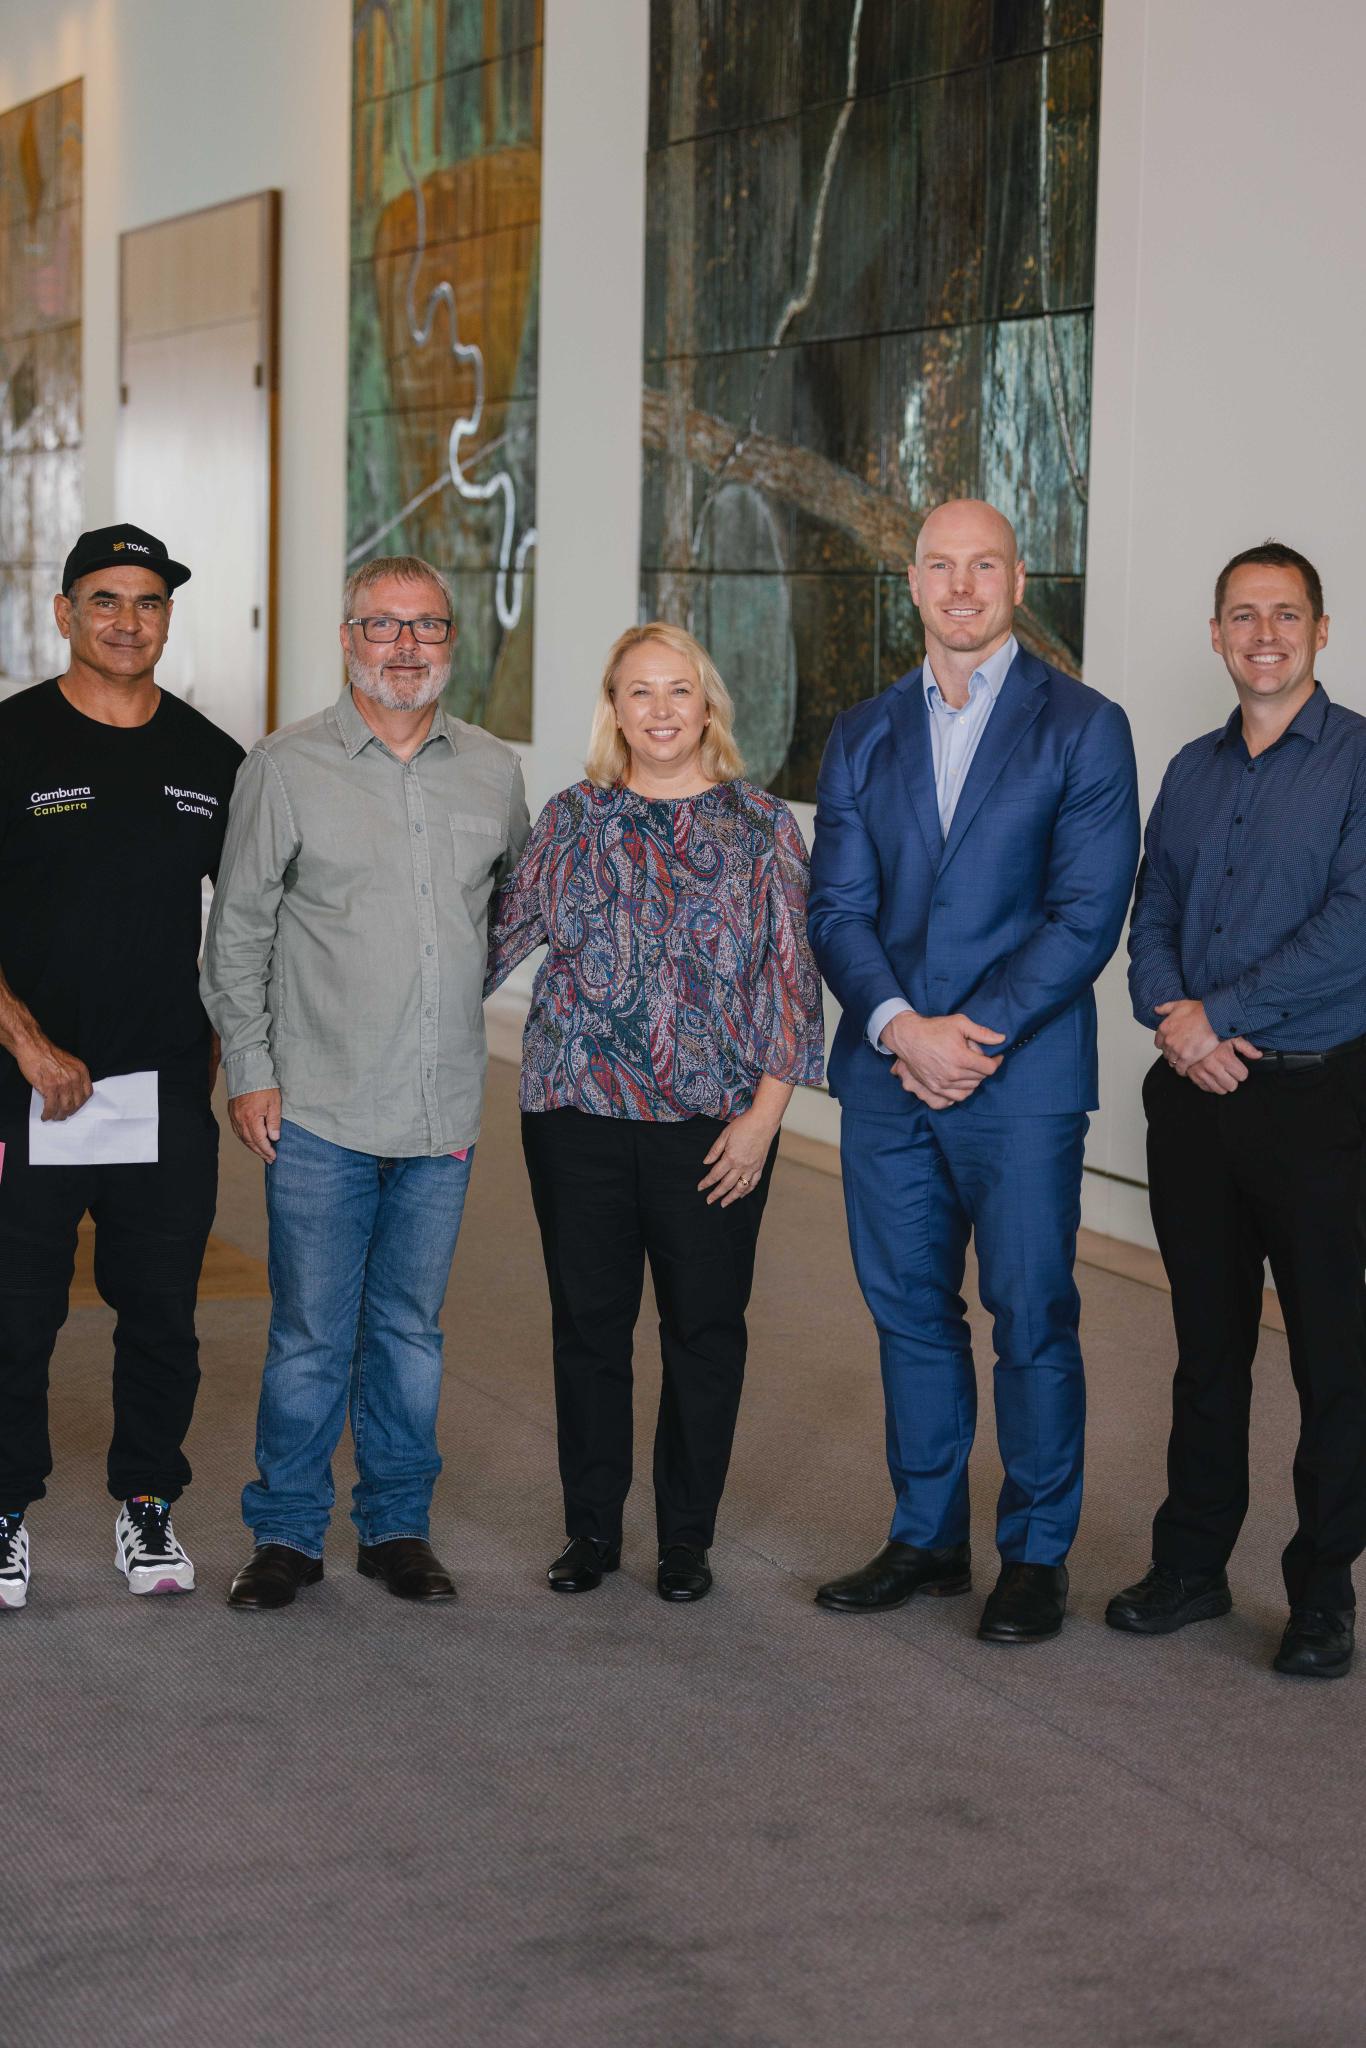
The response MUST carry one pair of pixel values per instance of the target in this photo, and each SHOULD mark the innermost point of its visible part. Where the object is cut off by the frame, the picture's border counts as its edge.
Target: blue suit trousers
(917, 1183)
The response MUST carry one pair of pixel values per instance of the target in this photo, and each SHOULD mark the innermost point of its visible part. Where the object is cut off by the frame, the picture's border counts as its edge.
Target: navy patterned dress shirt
(1252, 892)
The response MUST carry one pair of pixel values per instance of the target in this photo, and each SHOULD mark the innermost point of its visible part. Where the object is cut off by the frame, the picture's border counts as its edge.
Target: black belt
(1292, 1062)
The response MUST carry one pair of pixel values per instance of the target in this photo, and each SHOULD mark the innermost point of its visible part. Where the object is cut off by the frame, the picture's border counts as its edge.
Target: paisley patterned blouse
(679, 970)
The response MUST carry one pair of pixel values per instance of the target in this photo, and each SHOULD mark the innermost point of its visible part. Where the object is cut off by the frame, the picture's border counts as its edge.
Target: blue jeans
(360, 1254)
(916, 1185)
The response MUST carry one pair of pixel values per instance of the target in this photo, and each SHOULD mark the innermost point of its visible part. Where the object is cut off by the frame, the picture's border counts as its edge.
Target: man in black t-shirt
(113, 805)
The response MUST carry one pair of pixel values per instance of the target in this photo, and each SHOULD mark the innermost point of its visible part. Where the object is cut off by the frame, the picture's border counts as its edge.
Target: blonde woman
(677, 1007)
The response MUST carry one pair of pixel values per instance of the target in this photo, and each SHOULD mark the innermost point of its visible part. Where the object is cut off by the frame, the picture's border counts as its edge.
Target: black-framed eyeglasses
(430, 632)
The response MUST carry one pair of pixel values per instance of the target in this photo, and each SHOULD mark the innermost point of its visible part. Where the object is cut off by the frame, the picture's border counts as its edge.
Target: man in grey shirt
(343, 968)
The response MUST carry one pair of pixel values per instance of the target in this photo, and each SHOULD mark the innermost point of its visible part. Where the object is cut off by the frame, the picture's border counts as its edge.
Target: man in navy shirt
(1248, 953)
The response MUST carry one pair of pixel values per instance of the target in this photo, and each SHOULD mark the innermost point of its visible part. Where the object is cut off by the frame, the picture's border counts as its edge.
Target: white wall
(187, 105)
(1231, 306)
(588, 459)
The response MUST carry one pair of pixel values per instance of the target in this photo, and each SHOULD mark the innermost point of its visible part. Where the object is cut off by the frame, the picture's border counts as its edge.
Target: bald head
(967, 524)
(966, 580)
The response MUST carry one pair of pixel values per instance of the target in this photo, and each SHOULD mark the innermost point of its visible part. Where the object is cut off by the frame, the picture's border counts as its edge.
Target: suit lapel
(1021, 700)
(911, 733)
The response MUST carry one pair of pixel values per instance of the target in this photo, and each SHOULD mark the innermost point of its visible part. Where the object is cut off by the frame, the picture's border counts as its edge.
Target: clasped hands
(939, 1059)
(1191, 1046)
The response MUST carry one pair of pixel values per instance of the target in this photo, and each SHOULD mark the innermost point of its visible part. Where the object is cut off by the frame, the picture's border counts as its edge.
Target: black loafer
(409, 1568)
(272, 1575)
(899, 1570)
(1026, 1605)
(582, 1564)
(683, 1572)
(1165, 1599)
(1317, 1643)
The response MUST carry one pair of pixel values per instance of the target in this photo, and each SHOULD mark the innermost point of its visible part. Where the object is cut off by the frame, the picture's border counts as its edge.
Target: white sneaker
(13, 1561)
(146, 1550)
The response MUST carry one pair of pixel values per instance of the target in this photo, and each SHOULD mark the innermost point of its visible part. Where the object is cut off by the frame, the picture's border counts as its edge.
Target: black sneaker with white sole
(13, 1561)
(146, 1550)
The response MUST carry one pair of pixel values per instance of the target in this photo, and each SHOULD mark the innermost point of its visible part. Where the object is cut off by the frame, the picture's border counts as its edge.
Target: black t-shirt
(106, 834)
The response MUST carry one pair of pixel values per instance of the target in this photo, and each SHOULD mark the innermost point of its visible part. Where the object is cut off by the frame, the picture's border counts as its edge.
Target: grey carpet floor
(604, 1822)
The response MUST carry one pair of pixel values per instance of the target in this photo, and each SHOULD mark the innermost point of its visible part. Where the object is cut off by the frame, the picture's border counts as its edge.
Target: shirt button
(418, 828)
(427, 892)
(1218, 928)
(429, 950)
(1252, 767)
(1239, 819)
(428, 1011)
(1228, 871)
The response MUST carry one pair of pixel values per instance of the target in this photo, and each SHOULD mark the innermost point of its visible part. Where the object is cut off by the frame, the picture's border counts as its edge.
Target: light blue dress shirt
(954, 739)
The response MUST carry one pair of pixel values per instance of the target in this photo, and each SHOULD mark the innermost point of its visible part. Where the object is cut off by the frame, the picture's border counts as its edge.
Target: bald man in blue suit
(975, 849)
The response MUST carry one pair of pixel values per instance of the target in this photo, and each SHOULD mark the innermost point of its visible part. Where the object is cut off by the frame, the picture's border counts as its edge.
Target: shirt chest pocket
(476, 846)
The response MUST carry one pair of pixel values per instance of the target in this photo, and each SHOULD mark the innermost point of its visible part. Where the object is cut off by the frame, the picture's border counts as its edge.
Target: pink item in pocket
(455, 1155)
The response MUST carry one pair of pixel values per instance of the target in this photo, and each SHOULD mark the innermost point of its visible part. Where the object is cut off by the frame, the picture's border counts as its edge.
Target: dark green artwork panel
(41, 154)
(869, 276)
(445, 262)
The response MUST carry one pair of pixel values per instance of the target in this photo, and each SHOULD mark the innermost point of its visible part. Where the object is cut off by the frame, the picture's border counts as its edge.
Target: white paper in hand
(116, 1127)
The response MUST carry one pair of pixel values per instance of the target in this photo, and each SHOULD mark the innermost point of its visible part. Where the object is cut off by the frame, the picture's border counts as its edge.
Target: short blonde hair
(609, 757)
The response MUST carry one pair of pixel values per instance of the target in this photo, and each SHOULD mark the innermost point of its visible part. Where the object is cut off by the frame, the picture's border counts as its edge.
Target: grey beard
(377, 688)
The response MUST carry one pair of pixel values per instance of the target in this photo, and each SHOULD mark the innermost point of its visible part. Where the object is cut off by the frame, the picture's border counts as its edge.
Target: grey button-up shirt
(344, 960)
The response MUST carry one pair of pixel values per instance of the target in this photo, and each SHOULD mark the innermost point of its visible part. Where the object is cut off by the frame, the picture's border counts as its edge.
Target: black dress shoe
(898, 1570)
(1317, 1643)
(409, 1567)
(683, 1572)
(1026, 1605)
(272, 1575)
(582, 1564)
(1165, 1599)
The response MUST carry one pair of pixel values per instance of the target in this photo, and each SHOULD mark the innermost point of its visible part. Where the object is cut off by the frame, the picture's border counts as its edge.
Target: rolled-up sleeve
(788, 1028)
(240, 942)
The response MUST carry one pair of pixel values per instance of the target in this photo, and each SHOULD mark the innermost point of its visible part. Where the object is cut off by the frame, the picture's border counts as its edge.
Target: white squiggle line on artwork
(799, 302)
(438, 483)
(510, 582)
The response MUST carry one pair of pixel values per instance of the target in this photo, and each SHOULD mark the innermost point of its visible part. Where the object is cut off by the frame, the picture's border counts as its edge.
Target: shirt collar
(356, 732)
(992, 673)
(1307, 724)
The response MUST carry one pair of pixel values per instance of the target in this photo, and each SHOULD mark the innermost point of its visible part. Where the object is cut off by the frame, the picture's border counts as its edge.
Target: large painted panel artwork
(869, 262)
(40, 374)
(445, 246)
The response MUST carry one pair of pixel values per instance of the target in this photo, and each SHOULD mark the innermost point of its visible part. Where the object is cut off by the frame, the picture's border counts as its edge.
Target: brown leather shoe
(409, 1567)
(272, 1575)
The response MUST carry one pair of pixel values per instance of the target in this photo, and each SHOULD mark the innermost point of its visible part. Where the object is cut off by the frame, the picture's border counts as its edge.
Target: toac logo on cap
(104, 547)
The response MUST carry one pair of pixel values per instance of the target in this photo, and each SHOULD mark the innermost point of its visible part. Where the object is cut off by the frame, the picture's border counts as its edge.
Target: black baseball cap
(122, 547)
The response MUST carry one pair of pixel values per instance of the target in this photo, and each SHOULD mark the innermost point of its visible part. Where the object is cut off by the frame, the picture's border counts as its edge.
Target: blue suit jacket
(1012, 919)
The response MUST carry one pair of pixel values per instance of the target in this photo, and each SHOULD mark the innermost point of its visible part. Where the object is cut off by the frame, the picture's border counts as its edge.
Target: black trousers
(610, 1193)
(1273, 1171)
(151, 1226)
